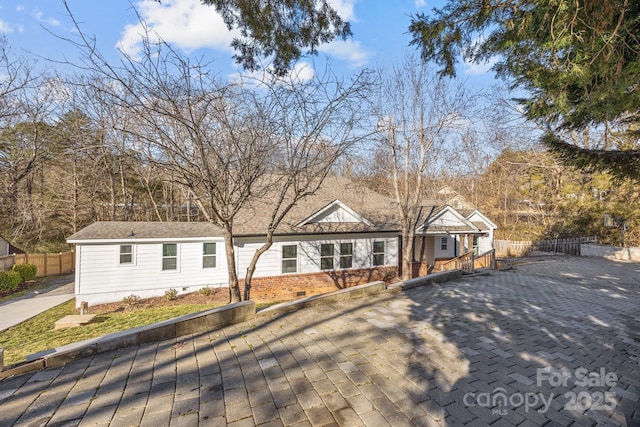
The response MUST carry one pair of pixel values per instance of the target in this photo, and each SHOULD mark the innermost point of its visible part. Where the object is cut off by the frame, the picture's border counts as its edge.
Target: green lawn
(38, 334)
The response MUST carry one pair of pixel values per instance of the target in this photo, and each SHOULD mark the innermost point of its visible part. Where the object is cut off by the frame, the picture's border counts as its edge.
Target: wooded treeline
(59, 177)
(68, 158)
(531, 195)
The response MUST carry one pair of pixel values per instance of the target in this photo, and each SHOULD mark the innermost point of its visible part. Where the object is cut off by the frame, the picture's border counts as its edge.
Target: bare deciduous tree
(416, 112)
(231, 144)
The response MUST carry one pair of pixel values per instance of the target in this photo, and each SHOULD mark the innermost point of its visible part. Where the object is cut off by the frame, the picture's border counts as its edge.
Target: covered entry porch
(446, 240)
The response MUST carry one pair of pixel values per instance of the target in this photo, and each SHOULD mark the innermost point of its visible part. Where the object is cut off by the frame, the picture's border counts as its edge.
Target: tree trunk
(252, 265)
(407, 251)
(234, 287)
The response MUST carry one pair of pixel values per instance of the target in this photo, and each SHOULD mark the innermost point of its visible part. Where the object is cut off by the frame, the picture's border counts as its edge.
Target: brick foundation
(291, 286)
(419, 269)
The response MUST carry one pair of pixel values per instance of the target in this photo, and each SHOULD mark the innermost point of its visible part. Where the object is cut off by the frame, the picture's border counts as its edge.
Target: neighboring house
(450, 197)
(7, 248)
(4, 247)
(341, 236)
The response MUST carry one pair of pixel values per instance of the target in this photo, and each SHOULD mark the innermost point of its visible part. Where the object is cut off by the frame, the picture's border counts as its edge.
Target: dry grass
(38, 334)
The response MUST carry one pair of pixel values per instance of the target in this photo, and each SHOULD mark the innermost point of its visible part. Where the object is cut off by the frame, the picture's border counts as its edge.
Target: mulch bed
(217, 297)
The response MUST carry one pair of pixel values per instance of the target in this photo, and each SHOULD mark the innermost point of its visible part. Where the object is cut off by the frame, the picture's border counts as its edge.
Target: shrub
(206, 291)
(9, 280)
(131, 300)
(171, 294)
(26, 271)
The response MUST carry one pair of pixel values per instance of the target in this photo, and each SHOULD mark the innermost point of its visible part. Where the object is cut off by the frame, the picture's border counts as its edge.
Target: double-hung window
(208, 255)
(289, 258)
(326, 256)
(126, 254)
(444, 243)
(169, 256)
(346, 255)
(378, 253)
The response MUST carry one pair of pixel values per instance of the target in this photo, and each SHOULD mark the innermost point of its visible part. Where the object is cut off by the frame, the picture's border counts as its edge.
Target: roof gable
(478, 217)
(340, 205)
(445, 220)
(334, 212)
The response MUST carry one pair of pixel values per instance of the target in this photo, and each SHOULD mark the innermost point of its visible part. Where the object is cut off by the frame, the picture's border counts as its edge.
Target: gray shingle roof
(132, 230)
(380, 212)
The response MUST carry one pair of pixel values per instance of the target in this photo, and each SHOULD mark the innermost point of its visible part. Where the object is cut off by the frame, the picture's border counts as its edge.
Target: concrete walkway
(18, 310)
(554, 341)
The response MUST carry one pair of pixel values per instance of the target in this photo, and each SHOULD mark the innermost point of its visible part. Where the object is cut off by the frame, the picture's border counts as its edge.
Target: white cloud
(475, 69)
(347, 50)
(344, 9)
(37, 13)
(186, 24)
(301, 72)
(478, 68)
(5, 28)
(420, 3)
(189, 25)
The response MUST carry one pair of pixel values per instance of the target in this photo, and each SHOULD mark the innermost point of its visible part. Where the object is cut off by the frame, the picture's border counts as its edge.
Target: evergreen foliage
(285, 29)
(578, 60)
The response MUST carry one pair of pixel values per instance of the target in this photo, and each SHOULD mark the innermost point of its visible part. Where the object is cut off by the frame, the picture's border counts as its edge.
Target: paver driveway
(554, 341)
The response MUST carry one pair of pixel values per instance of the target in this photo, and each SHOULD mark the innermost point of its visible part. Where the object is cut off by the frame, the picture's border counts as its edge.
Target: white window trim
(177, 270)
(133, 255)
(297, 258)
(333, 256)
(444, 241)
(202, 267)
(353, 251)
(373, 253)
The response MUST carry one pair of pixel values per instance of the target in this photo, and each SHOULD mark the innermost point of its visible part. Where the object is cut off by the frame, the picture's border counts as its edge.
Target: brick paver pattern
(554, 341)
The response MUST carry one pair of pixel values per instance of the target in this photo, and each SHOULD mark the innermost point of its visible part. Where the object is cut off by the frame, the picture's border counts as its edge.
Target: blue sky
(379, 28)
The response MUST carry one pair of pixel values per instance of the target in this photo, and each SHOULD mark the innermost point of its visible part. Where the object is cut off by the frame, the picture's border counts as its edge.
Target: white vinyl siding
(485, 241)
(308, 251)
(98, 280)
(444, 247)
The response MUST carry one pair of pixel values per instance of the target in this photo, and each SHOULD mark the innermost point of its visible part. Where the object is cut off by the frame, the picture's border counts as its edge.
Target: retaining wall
(610, 252)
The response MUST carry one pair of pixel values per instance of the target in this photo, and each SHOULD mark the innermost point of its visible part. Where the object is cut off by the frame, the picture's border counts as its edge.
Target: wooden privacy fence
(514, 248)
(47, 264)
